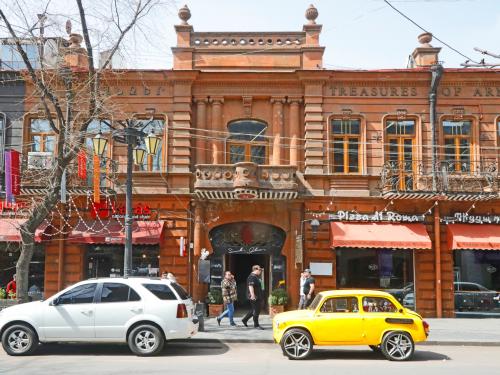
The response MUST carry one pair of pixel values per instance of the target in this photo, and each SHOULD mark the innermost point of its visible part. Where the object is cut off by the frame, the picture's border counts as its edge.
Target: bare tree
(70, 98)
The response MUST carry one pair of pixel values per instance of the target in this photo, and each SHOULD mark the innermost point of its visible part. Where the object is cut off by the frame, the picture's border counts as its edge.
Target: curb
(429, 342)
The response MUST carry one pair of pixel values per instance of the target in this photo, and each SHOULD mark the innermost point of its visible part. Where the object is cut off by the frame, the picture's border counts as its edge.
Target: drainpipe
(437, 72)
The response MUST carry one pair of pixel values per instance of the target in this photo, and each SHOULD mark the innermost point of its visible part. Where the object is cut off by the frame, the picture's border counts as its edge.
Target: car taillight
(182, 311)
(426, 326)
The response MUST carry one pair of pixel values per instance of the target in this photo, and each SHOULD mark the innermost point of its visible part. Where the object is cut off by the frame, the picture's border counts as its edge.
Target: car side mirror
(401, 311)
(55, 302)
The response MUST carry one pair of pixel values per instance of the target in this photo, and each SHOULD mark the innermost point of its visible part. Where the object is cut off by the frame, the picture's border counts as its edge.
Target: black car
(474, 297)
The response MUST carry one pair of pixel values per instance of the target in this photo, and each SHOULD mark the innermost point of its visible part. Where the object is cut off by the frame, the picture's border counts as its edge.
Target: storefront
(378, 255)
(476, 264)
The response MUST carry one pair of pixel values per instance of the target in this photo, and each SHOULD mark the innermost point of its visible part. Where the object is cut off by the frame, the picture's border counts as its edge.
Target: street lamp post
(131, 134)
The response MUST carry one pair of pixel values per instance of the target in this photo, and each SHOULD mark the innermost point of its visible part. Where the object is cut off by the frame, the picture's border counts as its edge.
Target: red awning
(9, 230)
(470, 236)
(380, 235)
(113, 232)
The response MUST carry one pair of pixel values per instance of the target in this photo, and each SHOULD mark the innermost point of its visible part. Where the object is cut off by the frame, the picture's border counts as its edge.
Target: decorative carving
(184, 14)
(311, 14)
(401, 114)
(458, 113)
(247, 106)
(346, 114)
(425, 39)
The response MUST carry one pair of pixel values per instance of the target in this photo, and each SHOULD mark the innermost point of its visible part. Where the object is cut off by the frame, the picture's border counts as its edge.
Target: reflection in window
(378, 304)
(10, 59)
(340, 305)
(153, 163)
(79, 294)
(390, 270)
(400, 135)
(246, 142)
(346, 141)
(477, 282)
(457, 145)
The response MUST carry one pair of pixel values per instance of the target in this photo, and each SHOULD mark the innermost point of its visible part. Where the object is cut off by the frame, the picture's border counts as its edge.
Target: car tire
(375, 348)
(146, 340)
(19, 339)
(397, 346)
(296, 344)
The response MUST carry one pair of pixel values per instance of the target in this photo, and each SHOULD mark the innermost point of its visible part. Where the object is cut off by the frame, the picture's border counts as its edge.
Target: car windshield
(314, 304)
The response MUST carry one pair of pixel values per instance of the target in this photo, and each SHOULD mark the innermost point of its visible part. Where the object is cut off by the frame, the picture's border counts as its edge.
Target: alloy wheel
(399, 346)
(19, 341)
(146, 341)
(297, 345)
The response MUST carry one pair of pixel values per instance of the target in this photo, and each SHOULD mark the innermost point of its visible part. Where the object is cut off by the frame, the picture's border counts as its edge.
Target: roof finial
(312, 14)
(184, 14)
(425, 39)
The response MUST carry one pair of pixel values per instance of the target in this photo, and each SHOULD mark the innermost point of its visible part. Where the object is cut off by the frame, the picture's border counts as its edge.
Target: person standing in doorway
(254, 294)
(302, 300)
(229, 296)
(308, 287)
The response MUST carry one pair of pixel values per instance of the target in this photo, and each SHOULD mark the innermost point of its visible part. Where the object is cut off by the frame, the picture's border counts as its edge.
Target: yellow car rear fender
(395, 330)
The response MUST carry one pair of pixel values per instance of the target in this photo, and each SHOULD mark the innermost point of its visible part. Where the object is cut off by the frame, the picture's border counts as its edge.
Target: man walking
(308, 287)
(229, 296)
(254, 294)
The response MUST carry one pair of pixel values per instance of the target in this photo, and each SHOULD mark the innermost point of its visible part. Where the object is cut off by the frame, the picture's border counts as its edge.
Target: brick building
(382, 179)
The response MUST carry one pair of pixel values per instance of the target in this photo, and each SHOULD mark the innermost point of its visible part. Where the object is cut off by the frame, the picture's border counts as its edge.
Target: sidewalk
(474, 332)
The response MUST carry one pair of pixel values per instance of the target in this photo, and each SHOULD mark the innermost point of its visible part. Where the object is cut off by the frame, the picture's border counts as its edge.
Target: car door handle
(136, 310)
(86, 312)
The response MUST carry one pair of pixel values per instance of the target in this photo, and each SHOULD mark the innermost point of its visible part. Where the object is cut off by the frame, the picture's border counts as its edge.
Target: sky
(357, 34)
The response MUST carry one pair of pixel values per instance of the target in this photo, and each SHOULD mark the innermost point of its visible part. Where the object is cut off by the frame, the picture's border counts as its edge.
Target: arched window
(400, 150)
(246, 142)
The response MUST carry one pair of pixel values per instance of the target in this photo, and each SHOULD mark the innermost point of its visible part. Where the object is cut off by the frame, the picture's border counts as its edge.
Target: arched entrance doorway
(238, 246)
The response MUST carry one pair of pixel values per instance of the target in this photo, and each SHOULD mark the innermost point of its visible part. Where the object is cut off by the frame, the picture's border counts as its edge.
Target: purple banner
(9, 198)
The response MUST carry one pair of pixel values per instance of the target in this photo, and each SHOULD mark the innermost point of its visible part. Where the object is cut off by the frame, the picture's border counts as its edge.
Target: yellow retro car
(351, 317)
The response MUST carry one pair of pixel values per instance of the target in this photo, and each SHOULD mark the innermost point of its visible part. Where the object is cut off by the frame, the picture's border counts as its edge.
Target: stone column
(217, 131)
(200, 134)
(294, 130)
(277, 129)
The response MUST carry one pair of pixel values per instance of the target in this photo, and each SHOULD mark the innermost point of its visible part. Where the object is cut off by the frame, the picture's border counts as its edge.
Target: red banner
(82, 165)
(12, 175)
(97, 179)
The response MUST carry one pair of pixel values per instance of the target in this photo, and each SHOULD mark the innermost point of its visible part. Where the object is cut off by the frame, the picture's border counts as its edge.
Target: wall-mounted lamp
(315, 226)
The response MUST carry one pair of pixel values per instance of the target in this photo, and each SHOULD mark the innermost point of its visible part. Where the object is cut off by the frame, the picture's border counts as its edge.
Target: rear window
(162, 291)
(180, 291)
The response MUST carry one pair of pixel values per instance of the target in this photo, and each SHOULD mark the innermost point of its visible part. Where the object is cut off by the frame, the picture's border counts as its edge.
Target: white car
(143, 312)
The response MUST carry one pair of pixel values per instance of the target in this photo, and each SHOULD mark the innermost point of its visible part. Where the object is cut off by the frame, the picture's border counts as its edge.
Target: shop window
(340, 305)
(246, 142)
(116, 292)
(154, 163)
(378, 304)
(42, 138)
(345, 135)
(384, 269)
(477, 282)
(457, 136)
(400, 151)
(79, 294)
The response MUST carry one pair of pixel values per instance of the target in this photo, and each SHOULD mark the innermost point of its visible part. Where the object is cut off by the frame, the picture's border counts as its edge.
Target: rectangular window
(154, 163)
(162, 291)
(340, 305)
(378, 304)
(117, 292)
(79, 294)
(457, 145)
(345, 145)
(400, 136)
(42, 138)
(390, 270)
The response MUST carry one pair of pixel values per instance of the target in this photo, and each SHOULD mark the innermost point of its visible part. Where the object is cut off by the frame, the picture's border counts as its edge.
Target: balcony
(246, 181)
(454, 180)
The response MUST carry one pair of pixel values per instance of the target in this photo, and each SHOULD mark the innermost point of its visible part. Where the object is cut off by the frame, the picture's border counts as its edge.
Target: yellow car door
(378, 313)
(338, 320)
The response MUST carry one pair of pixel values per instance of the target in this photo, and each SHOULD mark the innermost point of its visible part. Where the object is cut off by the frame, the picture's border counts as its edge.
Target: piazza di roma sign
(412, 91)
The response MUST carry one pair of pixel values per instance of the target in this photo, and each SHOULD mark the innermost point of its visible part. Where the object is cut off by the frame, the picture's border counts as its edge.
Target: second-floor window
(400, 144)
(42, 138)
(153, 163)
(457, 145)
(345, 145)
(246, 142)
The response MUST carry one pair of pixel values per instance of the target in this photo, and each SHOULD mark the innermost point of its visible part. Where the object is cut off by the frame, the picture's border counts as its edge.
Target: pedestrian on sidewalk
(308, 287)
(302, 299)
(229, 296)
(255, 295)
(11, 289)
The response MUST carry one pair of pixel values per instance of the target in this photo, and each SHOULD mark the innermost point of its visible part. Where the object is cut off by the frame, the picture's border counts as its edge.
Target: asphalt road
(213, 357)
